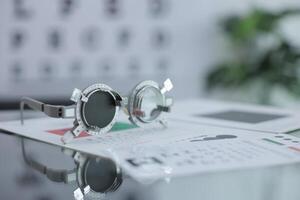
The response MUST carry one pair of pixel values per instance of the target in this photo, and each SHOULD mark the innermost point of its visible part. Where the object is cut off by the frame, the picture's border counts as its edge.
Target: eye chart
(49, 47)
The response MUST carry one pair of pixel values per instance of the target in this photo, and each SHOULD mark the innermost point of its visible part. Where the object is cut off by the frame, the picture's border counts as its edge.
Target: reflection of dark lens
(101, 175)
(100, 109)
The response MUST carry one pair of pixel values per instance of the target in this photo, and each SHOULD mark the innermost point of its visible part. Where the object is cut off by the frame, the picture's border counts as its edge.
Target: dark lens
(100, 109)
(100, 174)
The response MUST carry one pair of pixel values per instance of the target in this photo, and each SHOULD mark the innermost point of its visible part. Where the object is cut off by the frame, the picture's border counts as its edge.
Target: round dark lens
(101, 174)
(100, 109)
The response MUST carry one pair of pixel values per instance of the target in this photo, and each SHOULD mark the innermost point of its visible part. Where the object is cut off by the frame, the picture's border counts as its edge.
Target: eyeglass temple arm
(50, 110)
(56, 175)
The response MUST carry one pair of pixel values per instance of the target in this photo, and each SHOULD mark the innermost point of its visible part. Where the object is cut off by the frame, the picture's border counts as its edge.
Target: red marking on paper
(61, 132)
(294, 148)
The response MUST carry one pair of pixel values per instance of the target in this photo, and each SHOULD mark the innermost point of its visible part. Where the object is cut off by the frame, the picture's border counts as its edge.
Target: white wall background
(194, 43)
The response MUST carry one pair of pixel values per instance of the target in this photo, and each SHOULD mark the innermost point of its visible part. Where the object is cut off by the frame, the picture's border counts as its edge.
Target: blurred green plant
(254, 59)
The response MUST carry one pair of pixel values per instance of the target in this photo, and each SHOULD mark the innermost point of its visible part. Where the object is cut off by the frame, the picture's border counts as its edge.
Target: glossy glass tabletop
(37, 171)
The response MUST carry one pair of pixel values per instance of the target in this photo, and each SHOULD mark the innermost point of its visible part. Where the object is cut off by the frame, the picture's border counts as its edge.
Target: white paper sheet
(183, 149)
(197, 110)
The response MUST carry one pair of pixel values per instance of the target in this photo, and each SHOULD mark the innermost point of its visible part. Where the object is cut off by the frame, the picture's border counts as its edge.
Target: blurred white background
(49, 47)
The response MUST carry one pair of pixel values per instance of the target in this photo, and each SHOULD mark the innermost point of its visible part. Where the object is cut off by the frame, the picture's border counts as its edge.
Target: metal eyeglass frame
(131, 106)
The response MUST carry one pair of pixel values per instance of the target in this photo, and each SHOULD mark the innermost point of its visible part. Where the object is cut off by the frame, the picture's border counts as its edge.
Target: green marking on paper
(120, 126)
(272, 141)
